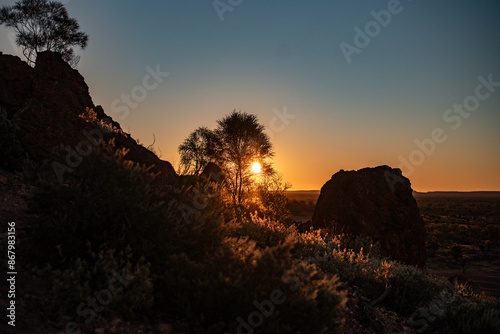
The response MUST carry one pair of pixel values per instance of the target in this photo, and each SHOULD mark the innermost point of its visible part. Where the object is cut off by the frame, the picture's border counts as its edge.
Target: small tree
(197, 150)
(238, 142)
(242, 143)
(42, 25)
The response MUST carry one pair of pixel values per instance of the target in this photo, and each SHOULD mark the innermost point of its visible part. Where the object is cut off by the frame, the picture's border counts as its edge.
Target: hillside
(45, 104)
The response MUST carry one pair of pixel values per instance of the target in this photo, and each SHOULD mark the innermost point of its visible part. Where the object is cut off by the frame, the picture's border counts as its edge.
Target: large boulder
(377, 202)
(45, 102)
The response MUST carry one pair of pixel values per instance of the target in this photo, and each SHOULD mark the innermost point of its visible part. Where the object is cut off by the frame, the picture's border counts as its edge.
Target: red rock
(377, 202)
(45, 103)
(213, 173)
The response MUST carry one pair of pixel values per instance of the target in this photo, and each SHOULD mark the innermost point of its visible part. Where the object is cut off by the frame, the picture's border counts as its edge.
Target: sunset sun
(256, 168)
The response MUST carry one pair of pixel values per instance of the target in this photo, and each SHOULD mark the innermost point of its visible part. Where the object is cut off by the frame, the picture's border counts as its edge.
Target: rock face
(213, 173)
(45, 103)
(377, 202)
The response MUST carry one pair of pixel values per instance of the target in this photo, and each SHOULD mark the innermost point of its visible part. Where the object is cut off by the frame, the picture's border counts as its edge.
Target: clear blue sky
(277, 55)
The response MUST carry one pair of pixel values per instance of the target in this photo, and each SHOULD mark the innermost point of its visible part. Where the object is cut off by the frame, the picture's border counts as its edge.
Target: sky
(413, 84)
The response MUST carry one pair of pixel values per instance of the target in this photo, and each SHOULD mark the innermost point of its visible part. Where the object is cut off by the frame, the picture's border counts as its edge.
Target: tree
(242, 143)
(43, 25)
(197, 150)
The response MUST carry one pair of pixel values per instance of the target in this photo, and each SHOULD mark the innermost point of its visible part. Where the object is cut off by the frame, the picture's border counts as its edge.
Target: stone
(45, 102)
(213, 173)
(377, 202)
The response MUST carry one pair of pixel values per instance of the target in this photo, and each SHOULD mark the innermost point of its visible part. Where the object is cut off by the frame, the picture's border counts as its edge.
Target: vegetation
(468, 317)
(188, 261)
(114, 216)
(461, 232)
(243, 142)
(211, 273)
(197, 150)
(217, 257)
(42, 25)
(235, 145)
(271, 194)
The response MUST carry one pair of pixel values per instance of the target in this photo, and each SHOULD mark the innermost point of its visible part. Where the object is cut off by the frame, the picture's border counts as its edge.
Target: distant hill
(458, 194)
(312, 195)
(303, 195)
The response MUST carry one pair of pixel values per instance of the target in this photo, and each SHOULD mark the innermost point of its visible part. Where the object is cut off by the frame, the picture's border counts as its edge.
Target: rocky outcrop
(377, 202)
(45, 102)
(213, 173)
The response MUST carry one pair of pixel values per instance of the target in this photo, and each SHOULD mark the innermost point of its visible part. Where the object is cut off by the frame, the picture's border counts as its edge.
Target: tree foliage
(197, 150)
(243, 142)
(235, 145)
(43, 25)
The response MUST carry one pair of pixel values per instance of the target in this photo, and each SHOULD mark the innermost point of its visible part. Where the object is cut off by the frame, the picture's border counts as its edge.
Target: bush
(410, 287)
(273, 201)
(119, 286)
(104, 202)
(356, 259)
(111, 201)
(220, 296)
(11, 153)
(264, 231)
(469, 317)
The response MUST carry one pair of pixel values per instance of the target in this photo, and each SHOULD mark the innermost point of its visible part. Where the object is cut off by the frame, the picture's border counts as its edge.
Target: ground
(483, 271)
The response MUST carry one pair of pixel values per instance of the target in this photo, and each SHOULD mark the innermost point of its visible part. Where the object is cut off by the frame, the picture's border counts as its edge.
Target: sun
(256, 168)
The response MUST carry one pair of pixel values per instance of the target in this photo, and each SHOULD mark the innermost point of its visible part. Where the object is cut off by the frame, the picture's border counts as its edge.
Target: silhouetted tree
(42, 25)
(242, 142)
(197, 150)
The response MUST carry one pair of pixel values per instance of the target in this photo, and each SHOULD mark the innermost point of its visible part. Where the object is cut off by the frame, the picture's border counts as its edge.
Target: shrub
(273, 201)
(469, 317)
(220, 296)
(358, 243)
(264, 231)
(113, 201)
(119, 286)
(103, 203)
(410, 287)
(356, 259)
